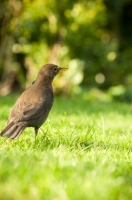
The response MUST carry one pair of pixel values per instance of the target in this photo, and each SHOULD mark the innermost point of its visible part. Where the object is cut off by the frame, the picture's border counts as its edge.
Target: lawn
(82, 152)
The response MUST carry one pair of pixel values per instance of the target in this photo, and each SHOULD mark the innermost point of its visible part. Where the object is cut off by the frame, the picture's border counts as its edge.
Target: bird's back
(33, 105)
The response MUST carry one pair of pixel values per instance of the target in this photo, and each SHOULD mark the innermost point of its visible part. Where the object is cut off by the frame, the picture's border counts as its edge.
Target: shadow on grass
(8, 100)
(80, 105)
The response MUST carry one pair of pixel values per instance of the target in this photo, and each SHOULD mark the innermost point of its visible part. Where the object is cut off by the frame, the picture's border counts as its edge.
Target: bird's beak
(62, 68)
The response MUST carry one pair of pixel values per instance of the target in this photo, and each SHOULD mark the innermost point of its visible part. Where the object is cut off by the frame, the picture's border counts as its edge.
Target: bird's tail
(13, 130)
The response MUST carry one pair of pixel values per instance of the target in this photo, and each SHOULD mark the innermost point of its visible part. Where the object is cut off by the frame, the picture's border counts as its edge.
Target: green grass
(82, 152)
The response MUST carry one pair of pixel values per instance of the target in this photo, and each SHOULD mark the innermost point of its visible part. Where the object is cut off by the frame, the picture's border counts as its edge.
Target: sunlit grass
(83, 151)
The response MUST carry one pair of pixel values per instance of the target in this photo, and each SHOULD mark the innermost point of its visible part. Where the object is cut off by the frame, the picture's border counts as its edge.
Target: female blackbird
(33, 106)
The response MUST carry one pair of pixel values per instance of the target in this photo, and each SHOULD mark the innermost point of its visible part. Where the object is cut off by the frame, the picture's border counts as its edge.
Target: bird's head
(49, 71)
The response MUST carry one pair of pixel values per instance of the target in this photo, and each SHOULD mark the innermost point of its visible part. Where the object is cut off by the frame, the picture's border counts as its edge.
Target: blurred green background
(93, 38)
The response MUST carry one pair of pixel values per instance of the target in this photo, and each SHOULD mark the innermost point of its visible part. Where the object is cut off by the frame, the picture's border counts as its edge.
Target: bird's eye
(55, 69)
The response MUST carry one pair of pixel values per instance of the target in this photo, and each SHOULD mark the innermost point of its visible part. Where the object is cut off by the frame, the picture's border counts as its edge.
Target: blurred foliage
(90, 37)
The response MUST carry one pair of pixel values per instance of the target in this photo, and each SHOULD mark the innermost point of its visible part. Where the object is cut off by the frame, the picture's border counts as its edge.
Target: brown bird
(33, 106)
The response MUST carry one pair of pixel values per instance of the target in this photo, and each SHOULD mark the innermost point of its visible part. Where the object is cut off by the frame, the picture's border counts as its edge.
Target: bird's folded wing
(31, 112)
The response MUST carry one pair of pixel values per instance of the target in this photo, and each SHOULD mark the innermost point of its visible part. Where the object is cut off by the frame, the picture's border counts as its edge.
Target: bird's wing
(31, 112)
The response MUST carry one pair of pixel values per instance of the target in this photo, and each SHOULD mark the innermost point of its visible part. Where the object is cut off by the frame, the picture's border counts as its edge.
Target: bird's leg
(36, 132)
